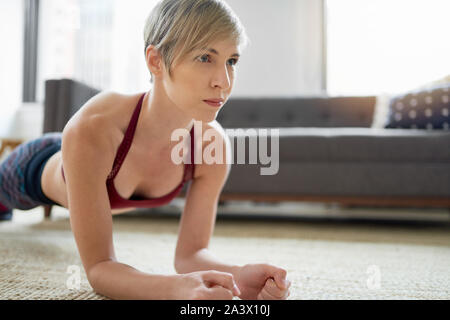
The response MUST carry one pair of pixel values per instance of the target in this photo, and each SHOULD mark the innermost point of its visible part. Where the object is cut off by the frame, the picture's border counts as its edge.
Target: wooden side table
(9, 143)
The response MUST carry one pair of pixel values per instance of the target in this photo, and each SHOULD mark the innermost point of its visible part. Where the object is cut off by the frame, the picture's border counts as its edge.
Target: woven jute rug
(324, 259)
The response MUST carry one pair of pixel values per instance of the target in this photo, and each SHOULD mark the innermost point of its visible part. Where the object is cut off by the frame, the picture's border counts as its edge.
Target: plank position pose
(191, 49)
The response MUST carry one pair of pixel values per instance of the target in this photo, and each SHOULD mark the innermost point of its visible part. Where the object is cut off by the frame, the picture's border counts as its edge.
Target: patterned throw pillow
(426, 109)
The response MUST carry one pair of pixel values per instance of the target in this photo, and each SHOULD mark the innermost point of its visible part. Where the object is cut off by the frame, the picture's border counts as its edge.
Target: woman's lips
(215, 104)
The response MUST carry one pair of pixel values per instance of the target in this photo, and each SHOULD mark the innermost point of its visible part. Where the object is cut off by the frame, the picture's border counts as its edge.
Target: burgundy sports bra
(116, 201)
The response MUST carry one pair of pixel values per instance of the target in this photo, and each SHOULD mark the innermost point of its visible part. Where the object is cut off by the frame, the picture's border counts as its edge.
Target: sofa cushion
(297, 112)
(425, 109)
(352, 145)
(386, 179)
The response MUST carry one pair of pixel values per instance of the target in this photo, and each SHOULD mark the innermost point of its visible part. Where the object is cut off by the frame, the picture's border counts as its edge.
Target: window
(98, 42)
(386, 45)
(11, 62)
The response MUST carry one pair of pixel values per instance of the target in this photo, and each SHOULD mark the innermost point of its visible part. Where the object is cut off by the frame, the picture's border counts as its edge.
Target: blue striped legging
(21, 171)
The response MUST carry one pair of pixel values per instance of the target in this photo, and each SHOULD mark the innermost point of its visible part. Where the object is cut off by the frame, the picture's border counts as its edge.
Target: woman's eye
(234, 61)
(206, 58)
(202, 58)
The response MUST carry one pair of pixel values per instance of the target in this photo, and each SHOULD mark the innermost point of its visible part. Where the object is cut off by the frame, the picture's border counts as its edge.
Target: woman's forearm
(203, 260)
(119, 281)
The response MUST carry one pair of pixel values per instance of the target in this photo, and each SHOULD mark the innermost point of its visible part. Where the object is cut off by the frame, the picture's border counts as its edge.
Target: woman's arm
(87, 157)
(255, 281)
(88, 153)
(199, 215)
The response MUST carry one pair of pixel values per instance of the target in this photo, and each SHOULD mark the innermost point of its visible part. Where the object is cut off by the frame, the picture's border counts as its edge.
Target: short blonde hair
(178, 27)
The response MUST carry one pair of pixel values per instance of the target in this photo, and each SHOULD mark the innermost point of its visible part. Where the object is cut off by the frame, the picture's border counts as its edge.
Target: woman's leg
(21, 171)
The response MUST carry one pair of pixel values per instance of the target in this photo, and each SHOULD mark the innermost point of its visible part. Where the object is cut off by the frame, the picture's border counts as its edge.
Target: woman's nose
(222, 79)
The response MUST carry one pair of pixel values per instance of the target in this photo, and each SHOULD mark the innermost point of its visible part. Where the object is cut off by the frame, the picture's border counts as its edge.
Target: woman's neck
(160, 117)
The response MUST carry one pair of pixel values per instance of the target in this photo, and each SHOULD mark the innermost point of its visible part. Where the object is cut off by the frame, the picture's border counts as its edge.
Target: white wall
(285, 54)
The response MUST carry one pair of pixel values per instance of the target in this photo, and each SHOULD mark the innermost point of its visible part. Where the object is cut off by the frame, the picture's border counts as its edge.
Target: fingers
(279, 275)
(272, 289)
(264, 295)
(223, 279)
(280, 278)
(220, 293)
(272, 292)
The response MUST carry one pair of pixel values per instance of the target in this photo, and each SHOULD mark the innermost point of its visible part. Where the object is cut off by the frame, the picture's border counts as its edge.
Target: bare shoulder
(102, 116)
(215, 129)
(107, 107)
(99, 124)
(216, 126)
(220, 167)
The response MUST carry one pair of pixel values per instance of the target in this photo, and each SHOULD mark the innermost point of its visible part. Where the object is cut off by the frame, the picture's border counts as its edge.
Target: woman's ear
(154, 60)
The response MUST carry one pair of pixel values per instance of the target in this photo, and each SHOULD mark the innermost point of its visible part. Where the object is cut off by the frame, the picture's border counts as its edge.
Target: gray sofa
(327, 151)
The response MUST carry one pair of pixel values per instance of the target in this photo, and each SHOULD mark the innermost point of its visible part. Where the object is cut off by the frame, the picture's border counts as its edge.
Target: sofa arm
(63, 98)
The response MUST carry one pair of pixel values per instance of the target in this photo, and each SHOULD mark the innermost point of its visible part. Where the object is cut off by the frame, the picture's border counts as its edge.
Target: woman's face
(203, 75)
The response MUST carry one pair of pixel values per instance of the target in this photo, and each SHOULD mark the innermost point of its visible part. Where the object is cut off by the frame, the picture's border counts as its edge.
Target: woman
(191, 49)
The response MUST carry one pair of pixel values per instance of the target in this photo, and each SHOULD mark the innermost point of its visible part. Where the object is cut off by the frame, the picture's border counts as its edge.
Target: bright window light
(97, 42)
(386, 46)
(11, 54)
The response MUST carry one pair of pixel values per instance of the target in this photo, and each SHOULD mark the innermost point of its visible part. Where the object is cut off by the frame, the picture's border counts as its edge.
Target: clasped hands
(262, 282)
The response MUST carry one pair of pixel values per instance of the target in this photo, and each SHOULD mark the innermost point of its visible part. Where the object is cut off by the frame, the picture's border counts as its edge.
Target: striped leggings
(21, 171)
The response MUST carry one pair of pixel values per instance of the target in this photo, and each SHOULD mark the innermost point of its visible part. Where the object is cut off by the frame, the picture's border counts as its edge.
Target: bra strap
(127, 140)
(189, 173)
